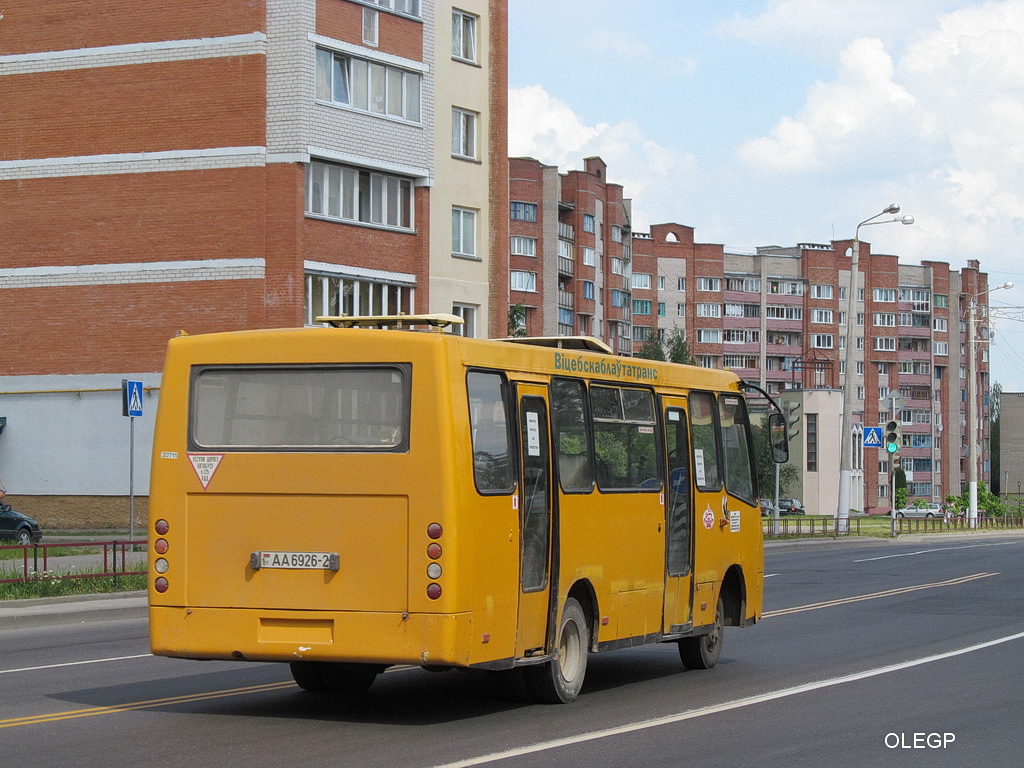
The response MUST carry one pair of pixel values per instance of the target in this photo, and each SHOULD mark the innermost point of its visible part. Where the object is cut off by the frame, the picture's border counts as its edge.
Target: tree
(993, 409)
(900, 494)
(652, 348)
(678, 349)
(765, 463)
(517, 321)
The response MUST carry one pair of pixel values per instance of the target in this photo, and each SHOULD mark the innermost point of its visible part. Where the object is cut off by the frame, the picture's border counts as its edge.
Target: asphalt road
(870, 654)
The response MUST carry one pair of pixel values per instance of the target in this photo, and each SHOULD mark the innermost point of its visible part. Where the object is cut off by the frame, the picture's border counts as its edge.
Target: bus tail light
(434, 532)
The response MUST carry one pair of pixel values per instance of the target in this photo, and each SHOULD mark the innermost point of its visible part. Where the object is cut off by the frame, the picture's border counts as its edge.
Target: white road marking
(724, 707)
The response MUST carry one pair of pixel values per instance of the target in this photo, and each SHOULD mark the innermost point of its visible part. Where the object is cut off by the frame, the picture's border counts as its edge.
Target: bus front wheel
(702, 652)
(328, 677)
(559, 681)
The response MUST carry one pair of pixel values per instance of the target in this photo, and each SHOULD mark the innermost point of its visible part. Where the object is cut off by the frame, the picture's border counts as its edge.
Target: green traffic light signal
(893, 436)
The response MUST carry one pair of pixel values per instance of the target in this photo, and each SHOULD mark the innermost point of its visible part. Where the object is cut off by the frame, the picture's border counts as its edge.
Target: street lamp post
(973, 428)
(849, 388)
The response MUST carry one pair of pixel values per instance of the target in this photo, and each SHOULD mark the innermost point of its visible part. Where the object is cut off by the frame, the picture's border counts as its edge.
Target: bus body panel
(374, 510)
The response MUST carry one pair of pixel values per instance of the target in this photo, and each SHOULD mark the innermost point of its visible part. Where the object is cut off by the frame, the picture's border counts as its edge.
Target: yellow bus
(362, 494)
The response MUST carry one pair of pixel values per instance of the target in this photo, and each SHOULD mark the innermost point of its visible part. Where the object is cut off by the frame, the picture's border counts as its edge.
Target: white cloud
(546, 128)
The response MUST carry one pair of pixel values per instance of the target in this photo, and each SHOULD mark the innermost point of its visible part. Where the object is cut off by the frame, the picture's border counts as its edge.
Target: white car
(928, 509)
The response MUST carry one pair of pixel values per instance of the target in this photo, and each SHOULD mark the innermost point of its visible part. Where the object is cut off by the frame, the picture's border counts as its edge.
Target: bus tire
(328, 677)
(559, 681)
(702, 652)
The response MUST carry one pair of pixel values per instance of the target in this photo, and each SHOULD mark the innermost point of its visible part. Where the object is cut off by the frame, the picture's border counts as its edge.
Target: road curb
(77, 609)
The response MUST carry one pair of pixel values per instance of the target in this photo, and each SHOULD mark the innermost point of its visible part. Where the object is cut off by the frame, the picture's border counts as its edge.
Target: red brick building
(210, 168)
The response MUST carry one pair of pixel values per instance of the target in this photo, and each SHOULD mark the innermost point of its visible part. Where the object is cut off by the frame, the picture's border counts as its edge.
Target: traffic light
(893, 437)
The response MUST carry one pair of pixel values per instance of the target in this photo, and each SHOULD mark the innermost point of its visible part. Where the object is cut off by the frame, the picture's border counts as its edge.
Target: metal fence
(938, 524)
(76, 560)
(855, 526)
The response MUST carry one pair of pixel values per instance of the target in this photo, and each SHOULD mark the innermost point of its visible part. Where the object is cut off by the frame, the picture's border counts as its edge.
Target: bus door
(536, 516)
(678, 519)
(710, 504)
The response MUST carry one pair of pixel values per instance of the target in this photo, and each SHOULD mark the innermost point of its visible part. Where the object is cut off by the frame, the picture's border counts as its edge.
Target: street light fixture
(849, 390)
(973, 428)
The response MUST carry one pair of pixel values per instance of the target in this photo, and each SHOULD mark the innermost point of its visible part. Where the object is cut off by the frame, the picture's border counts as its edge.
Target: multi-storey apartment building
(570, 252)
(776, 317)
(200, 168)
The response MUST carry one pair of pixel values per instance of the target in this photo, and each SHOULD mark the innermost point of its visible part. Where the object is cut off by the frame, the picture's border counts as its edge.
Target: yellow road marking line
(93, 711)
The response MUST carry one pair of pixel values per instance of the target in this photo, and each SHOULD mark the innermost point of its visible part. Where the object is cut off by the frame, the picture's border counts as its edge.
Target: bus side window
(571, 442)
(493, 467)
(704, 435)
(625, 438)
(737, 450)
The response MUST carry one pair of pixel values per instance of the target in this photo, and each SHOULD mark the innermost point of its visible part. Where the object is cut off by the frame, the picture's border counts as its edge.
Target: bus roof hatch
(582, 343)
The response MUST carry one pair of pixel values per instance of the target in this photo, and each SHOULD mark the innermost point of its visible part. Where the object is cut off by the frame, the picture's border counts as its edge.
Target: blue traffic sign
(131, 397)
(872, 437)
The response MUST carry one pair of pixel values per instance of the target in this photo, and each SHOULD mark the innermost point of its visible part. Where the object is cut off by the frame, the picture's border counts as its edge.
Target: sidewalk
(75, 609)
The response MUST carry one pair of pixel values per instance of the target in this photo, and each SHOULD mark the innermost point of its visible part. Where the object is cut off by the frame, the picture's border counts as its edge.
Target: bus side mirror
(779, 437)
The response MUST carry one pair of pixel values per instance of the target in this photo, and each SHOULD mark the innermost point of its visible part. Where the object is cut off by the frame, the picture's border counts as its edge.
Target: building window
(641, 307)
(370, 26)
(709, 310)
(941, 301)
(884, 319)
(821, 291)
(811, 423)
(524, 211)
(641, 281)
(709, 284)
(941, 347)
(709, 336)
(524, 246)
(468, 314)
(408, 7)
(619, 298)
(464, 36)
(885, 344)
(368, 86)
(359, 195)
(589, 257)
(588, 222)
(588, 289)
(681, 285)
(884, 294)
(821, 340)
(821, 316)
(464, 133)
(463, 232)
(523, 281)
(939, 324)
(333, 295)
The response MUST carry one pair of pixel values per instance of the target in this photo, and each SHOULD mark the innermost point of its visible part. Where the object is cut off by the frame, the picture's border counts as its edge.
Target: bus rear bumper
(265, 635)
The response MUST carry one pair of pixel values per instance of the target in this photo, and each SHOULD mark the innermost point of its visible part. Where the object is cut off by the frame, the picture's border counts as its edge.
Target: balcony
(566, 299)
(565, 231)
(566, 266)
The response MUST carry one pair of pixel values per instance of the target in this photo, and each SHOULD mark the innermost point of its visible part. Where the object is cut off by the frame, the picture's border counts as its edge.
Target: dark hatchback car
(791, 507)
(14, 525)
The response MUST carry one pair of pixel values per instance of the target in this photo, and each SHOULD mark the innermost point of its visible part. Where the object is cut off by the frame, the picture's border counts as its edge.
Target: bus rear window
(321, 408)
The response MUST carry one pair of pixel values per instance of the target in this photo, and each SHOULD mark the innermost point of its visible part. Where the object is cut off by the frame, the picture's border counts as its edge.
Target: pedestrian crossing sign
(131, 398)
(872, 437)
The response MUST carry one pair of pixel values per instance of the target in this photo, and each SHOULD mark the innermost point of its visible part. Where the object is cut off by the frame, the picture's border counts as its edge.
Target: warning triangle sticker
(205, 464)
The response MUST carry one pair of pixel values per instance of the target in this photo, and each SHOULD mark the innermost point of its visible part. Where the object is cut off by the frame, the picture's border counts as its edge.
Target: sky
(776, 122)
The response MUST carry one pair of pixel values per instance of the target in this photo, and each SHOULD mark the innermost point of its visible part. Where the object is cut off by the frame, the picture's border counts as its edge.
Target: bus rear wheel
(702, 652)
(559, 681)
(330, 677)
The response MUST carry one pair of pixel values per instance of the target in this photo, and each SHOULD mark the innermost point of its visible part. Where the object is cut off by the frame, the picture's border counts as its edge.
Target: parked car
(767, 505)
(22, 528)
(791, 507)
(928, 509)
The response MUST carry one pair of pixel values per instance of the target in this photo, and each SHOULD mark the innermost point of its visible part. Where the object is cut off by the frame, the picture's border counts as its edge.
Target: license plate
(323, 561)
